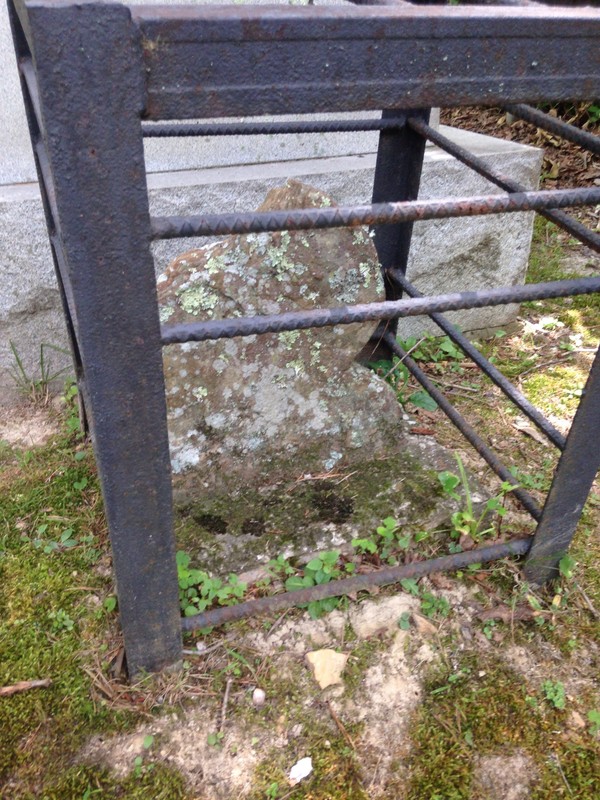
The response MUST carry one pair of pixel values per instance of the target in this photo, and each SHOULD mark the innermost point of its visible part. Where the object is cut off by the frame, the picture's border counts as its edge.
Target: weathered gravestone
(283, 442)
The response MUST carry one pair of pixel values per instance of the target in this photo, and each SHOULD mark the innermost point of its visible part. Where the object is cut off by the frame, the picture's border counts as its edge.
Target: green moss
(289, 515)
(158, 783)
(336, 772)
(41, 730)
(556, 390)
(548, 251)
(363, 656)
(482, 708)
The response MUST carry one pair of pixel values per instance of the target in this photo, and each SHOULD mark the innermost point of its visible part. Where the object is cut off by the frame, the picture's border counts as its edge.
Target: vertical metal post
(571, 485)
(23, 53)
(397, 177)
(89, 74)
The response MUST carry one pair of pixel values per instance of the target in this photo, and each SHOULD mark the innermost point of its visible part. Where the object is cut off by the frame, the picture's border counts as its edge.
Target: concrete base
(447, 255)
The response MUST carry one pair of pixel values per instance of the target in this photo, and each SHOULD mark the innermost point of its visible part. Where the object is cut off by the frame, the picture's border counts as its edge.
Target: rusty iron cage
(97, 78)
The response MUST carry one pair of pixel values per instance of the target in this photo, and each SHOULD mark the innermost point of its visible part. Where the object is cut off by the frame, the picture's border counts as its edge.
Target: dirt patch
(380, 703)
(27, 426)
(507, 776)
(383, 702)
(221, 771)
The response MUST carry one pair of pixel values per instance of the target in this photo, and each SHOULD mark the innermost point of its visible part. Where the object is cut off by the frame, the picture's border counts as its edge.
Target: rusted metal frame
(398, 168)
(571, 485)
(382, 577)
(162, 129)
(362, 58)
(175, 227)
(526, 500)
(345, 315)
(89, 74)
(567, 223)
(34, 122)
(556, 126)
(486, 367)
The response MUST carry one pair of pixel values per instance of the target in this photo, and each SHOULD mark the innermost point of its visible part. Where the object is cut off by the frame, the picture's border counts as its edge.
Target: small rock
(326, 666)
(370, 618)
(258, 697)
(576, 721)
(300, 770)
(423, 625)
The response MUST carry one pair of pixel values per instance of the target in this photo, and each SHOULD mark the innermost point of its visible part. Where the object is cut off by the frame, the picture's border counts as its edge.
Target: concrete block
(447, 255)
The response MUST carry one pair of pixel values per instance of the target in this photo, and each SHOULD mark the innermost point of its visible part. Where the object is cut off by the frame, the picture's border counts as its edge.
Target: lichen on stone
(198, 298)
(250, 411)
(165, 313)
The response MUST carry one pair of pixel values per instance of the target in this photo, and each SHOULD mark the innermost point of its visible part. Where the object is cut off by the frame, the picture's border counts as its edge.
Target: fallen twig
(24, 686)
(224, 706)
(408, 352)
(340, 726)
(278, 621)
(587, 601)
(545, 364)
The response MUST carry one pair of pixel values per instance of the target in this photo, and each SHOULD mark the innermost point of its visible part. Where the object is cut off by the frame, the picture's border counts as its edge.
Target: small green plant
(432, 606)
(36, 389)
(280, 567)
(198, 591)
(215, 739)
(272, 791)
(594, 720)
(364, 546)
(73, 420)
(66, 540)
(554, 693)
(455, 677)
(488, 629)
(566, 567)
(411, 586)
(404, 621)
(110, 604)
(432, 348)
(593, 112)
(61, 621)
(387, 541)
(319, 570)
(465, 522)
(139, 768)
(535, 481)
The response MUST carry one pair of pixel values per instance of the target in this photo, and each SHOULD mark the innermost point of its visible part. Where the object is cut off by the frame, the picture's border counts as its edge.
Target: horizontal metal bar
(375, 214)
(161, 129)
(383, 577)
(463, 426)
(244, 60)
(488, 368)
(557, 126)
(323, 317)
(567, 223)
